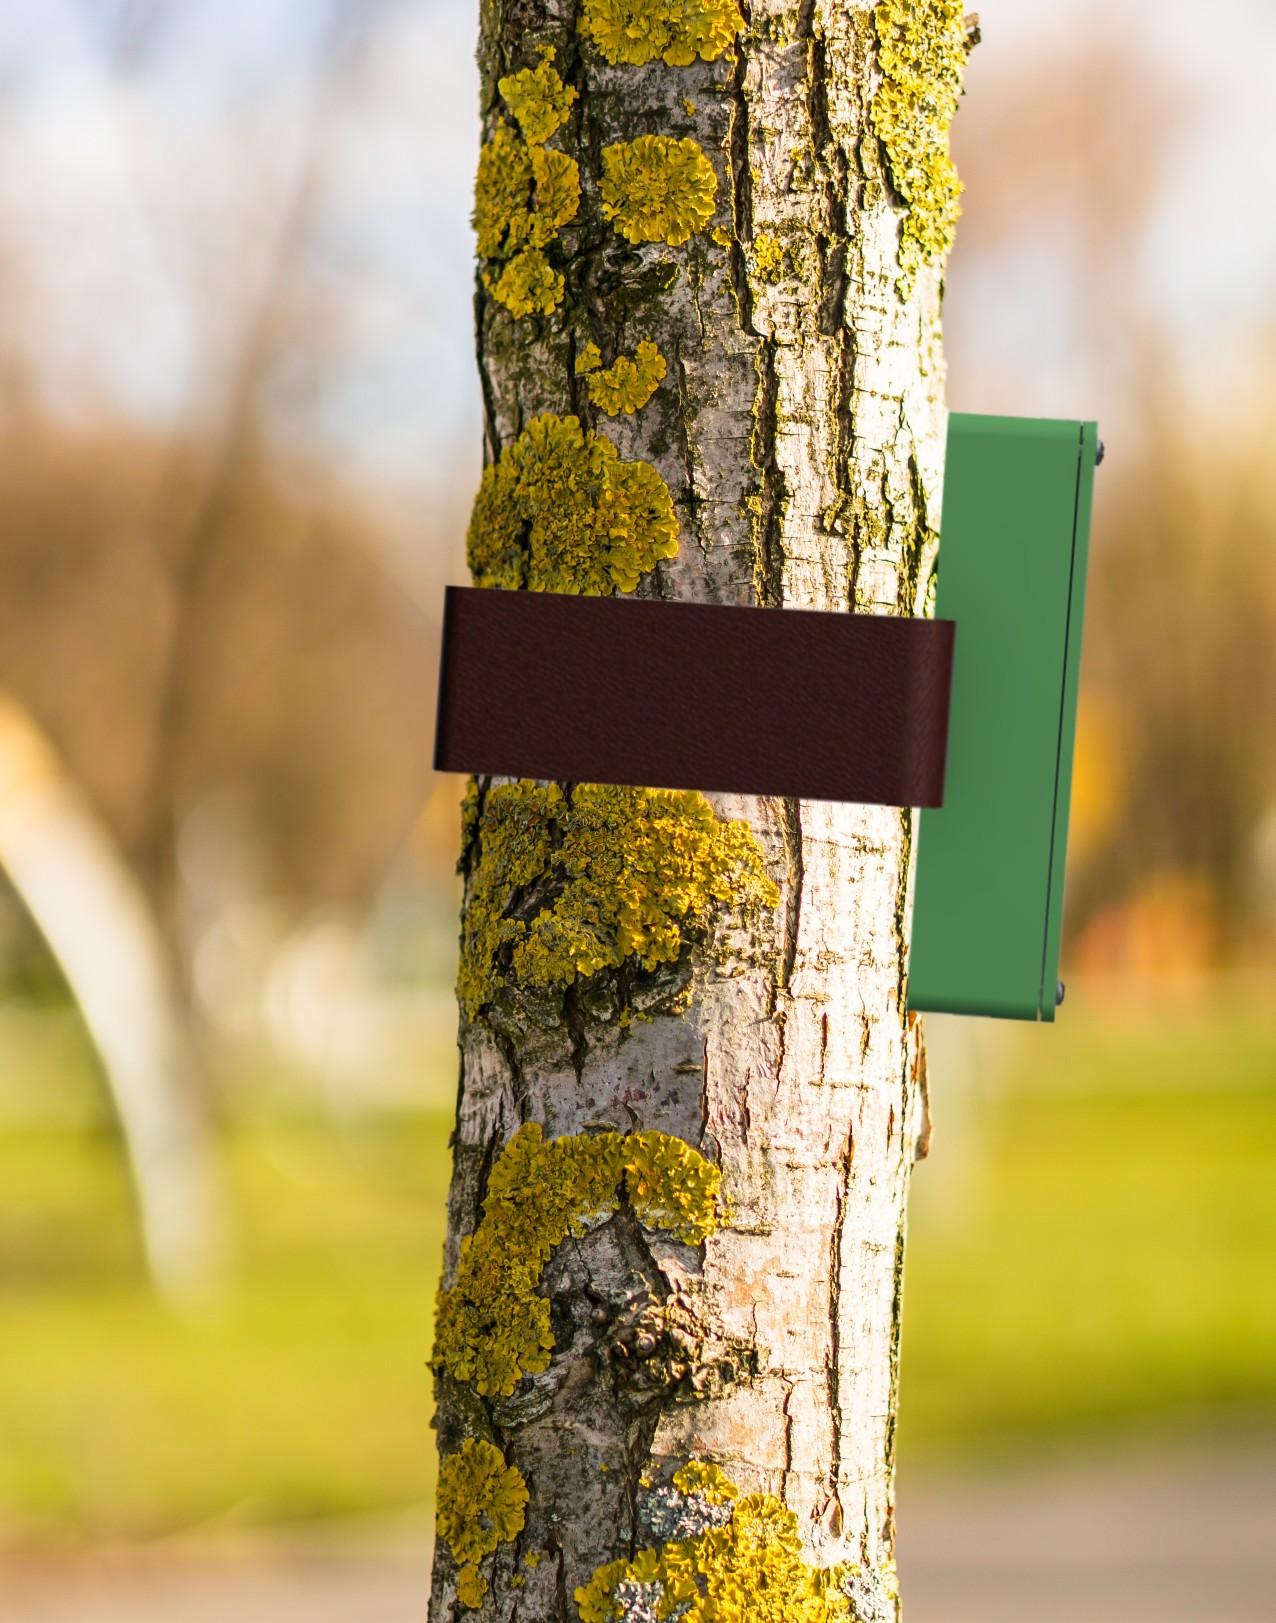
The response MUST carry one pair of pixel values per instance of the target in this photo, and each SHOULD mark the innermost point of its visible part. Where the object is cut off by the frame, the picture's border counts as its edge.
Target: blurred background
(239, 436)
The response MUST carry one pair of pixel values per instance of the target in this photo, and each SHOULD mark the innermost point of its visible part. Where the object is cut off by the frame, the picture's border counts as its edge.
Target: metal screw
(1099, 454)
(1061, 992)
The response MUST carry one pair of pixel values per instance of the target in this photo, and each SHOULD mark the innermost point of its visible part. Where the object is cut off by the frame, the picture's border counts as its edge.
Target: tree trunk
(712, 244)
(87, 904)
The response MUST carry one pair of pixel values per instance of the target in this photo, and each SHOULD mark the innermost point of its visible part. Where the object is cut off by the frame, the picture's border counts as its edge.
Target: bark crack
(791, 813)
(772, 491)
(829, 156)
(694, 499)
(789, 1393)
(741, 194)
(836, 1241)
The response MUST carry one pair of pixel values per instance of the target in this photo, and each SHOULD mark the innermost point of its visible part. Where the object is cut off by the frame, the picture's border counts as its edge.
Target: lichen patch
(525, 193)
(529, 285)
(658, 189)
(493, 1327)
(538, 100)
(635, 32)
(629, 383)
(560, 512)
(738, 1559)
(565, 888)
(922, 55)
(481, 1505)
(767, 258)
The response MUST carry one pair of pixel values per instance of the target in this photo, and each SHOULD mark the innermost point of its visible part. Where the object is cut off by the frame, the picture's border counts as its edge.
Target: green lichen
(493, 1327)
(481, 1505)
(525, 194)
(747, 1567)
(658, 189)
(922, 54)
(560, 512)
(768, 258)
(628, 385)
(635, 32)
(566, 887)
(538, 99)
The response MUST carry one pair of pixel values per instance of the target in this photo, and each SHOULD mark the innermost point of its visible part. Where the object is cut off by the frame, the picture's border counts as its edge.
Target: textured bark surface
(799, 430)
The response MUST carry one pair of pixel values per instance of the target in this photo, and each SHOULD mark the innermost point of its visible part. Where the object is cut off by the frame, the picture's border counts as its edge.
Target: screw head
(1061, 992)
(1099, 454)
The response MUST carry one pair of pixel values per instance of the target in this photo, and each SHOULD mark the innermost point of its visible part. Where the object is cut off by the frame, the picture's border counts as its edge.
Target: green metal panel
(1012, 574)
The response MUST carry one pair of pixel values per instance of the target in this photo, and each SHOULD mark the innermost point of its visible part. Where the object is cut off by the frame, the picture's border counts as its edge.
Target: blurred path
(297, 1583)
(1139, 1538)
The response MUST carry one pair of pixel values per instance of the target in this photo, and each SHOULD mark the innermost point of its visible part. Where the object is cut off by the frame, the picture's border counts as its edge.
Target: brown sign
(786, 702)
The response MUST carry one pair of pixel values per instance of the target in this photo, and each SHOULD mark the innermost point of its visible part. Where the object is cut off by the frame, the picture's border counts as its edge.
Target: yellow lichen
(538, 99)
(564, 888)
(560, 512)
(525, 194)
(589, 360)
(768, 258)
(492, 1326)
(922, 53)
(747, 1569)
(481, 1505)
(502, 193)
(671, 1187)
(529, 283)
(658, 189)
(635, 32)
(556, 177)
(629, 384)
(471, 1587)
(707, 1482)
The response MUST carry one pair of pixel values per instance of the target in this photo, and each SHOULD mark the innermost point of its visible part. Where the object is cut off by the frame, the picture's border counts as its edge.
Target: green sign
(1012, 574)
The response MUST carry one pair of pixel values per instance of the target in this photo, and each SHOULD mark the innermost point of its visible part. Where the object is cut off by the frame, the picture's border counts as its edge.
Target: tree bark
(669, 1001)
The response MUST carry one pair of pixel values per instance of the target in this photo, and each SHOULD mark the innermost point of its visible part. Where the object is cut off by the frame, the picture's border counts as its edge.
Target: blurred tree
(95, 918)
(191, 615)
(1177, 718)
(708, 315)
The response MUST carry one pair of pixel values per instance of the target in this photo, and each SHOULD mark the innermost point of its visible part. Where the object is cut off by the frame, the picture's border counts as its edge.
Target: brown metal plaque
(787, 702)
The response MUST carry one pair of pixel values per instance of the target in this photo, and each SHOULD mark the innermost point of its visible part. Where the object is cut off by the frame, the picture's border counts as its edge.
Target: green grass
(1109, 1259)
(305, 1394)
(1093, 1246)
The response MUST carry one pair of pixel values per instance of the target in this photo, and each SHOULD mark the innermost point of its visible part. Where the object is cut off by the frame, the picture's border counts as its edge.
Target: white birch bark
(800, 432)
